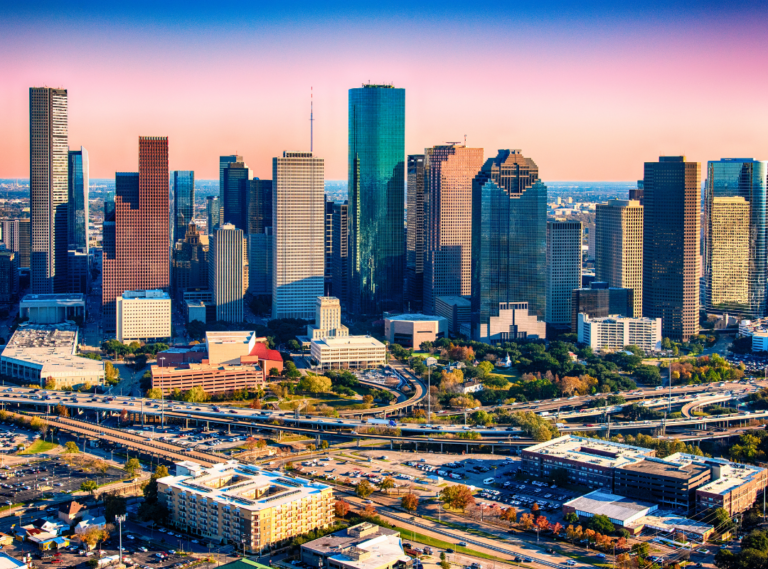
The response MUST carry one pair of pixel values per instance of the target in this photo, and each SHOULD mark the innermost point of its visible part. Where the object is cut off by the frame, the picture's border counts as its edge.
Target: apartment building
(615, 332)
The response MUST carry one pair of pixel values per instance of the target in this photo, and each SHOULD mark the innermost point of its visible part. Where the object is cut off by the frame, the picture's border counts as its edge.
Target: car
(462, 544)
(600, 555)
(143, 549)
(449, 551)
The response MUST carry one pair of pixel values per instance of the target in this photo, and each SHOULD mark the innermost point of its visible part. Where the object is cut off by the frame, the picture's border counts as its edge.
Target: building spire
(311, 119)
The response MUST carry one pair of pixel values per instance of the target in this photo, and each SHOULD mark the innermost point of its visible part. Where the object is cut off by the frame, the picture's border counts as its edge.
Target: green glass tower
(376, 198)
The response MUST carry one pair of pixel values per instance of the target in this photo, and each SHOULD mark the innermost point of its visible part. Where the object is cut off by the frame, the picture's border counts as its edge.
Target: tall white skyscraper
(298, 243)
(225, 272)
(563, 269)
(48, 185)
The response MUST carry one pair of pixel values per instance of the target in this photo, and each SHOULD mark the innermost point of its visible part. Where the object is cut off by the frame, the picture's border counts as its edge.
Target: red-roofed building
(266, 358)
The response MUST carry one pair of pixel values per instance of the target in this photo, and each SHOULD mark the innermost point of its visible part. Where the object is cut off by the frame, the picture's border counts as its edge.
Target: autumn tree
(368, 512)
(526, 521)
(509, 515)
(535, 510)
(542, 523)
(410, 502)
(557, 528)
(364, 489)
(341, 508)
(387, 484)
(70, 447)
(62, 411)
(251, 443)
(458, 497)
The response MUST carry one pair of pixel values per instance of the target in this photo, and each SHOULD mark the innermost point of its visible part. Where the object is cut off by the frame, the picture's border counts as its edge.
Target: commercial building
(598, 300)
(233, 194)
(225, 273)
(351, 352)
(298, 243)
(514, 321)
(16, 238)
(671, 243)
(9, 276)
(620, 510)
(183, 191)
(362, 546)
(619, 248)
(328, 271)
(563, 270)
(190, 262)
(736, 178)
(52, 308)
(143, 315)
(212, 214)
(259, 206)
(183, 355)
(450, 170)
(616, 332)
(327, 320)
(411, 330)
(136, 239)
(212, 379)
(340, 253)
(509, 240)
(260, 263)
(37, 353)
(376, 198)
(48, 188)
(456, 310)
(78, 187)
(79, 272)
(241, 348)
(415, 232)
(244, 505)
(667, 484)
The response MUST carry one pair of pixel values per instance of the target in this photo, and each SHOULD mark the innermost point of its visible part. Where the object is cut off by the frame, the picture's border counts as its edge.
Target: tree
(601, 524)
(341, 508)
(387, 484)
(50, 383)
(509, 515)
(324, 445)
(250, 443)
(111, 373)
(410, 502)
(154, 393)
(368, 512)
(557, 528)
(535, 510)
(114, 505)
(132, 467)
(93, 535)
(526, 521)
(542, 523)
(196, 394)
(364, 489)
(484, 368)
(641, 549)
(457, 497)
(70, 447)
(62, 411)
(291, 371)
(160, 472)
(89, 486)
(314, 383)
(273, 372)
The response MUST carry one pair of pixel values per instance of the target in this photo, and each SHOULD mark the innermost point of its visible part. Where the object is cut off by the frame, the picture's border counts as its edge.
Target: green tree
(50, 383)
(571, 518)
(364, 489)
(114, 505)
(111, 373)
(196, 395)
(132, 467)
(314, 383)
(70, 447)
(387, 484)
(484, 368)
(324, 445)
(89, 486)
(457, 496)
(600, 524)
(291, 371)
(155, 393)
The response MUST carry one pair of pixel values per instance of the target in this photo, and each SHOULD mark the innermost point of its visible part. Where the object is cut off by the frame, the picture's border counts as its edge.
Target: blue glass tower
(183, 192)
(509, 242)
(78, 184)
(376, 198)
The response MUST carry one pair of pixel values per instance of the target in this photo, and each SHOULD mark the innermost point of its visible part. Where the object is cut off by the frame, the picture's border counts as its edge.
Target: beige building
(619, 247)
(352, 352)
(327, 320)
(563, 269)
(615, 332)
(411, 330)
(243, 505)
(728, 254)
(143, 315)
(362, 546)
(226, 270)
(514, 322)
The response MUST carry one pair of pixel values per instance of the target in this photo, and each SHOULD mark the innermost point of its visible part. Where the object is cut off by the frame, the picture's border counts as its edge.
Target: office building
(183, 191)
(340, 253)
(619, 244)
(615, 332)
(213, 379)
(190, 262)
(509, 239)
(260, 263)
(671, 244)
(48, 188)
(225, 273)
(736, 178)
(52, 308)
(411, 330)
(258, 206)
(414, 243)
(212, 214)
(450, 170)
(563, 270)
(327, 320)
(79, 271)
(457, 310)
(667, 484)
(362, 546)
(598, 300)
(15, 237)
(298, 242)
(9, 276)
(143, 316)
(637, 194)
(328, 273)
(136, 252)
(348, 352)
(241, 348)
(234, 194)
(78, 184)
(376, 197)
(244, 505)
(513, 321)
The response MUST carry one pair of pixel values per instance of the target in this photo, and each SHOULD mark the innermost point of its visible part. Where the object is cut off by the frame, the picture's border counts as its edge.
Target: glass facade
(212, 214)
(414, 253)
(78, 199)
(376, 197)
(725, 248)
(234, 194)
(509, 239)
(183, 192)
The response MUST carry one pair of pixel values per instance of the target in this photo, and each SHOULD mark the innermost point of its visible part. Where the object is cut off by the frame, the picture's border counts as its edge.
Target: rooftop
(670, 522)
(594, 451)
(726, 475)
(349, 341)
(364, 546)
(238, 337)
(457, 300)
(659, 467)
(606, 504)
(64, 297)
(416, 318)
(155, 294)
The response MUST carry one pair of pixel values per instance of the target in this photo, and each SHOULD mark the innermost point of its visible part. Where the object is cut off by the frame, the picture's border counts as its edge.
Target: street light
(120, 519)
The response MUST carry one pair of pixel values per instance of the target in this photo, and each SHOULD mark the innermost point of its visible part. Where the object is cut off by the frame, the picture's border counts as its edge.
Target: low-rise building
(242, 348)
(52, 308)
(622, 511)
(244, 505)
(598, 300)
(143, 315)
(411, 330)
(363, 546)
(213, 379)
(668, 484)
(514, 322)
(616, 332)
(352, 352)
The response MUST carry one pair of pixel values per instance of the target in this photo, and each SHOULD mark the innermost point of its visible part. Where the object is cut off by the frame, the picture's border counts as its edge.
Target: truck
(387, 422)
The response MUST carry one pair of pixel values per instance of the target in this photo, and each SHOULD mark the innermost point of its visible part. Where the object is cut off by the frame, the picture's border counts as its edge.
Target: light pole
(120, 519)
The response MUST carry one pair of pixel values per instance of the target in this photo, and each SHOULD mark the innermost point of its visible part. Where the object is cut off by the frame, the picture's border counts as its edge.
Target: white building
(52, 308)
(143, 315)
(351, 352)
(411, 330)
(615, 332)
(327, 320)
(563, 269)
(226, 259)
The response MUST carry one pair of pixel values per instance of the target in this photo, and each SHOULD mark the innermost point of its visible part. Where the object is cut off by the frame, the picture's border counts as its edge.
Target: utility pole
(120, 519)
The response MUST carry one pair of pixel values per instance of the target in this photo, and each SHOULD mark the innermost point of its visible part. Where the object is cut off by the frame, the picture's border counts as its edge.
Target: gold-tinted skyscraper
(619, 247)
(727, 254)
(671, 245)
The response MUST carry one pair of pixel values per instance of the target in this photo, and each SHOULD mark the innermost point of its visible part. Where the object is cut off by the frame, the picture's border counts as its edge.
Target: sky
(590, 90)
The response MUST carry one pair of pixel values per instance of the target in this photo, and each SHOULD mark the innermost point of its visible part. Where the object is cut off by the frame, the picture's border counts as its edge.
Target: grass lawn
(39, 446)
(508, 374)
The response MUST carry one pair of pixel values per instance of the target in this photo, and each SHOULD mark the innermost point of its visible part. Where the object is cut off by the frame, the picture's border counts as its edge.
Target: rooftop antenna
(465, 140)
(311, 119)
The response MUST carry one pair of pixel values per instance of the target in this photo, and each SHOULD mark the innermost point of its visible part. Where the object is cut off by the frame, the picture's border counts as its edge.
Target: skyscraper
(15, 237)
(450, 170)
(298, 242)
(414, 252)
(212, 214)
(223, 162)
(563, 270)
(259, 230)
(259, 206)
(746, 178)
(225, 273)
(190, 262)
(183, 190)
(136, 252)
(509, 242)
(376, 197)
(672, 197)
(234, 194)
(328, 274)
(340, 261)
(619, 248)
(48, 181)
(78, 190)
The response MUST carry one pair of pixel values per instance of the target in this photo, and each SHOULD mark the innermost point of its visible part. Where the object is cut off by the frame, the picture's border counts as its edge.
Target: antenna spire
(311, 119)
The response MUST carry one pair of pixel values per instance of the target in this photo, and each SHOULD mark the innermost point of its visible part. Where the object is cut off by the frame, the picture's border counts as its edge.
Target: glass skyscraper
(78, 182)
(183, 191)
(234, 194)
(509, 240)
(376, 198)
(728, 250)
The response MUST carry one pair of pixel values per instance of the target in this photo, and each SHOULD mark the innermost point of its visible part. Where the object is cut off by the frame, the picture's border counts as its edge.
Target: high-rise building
(136, 252)
(225, 273)
(619, 247)
(340, 261)
(637, 194)
(48, 188)
(9, 276)
(449, 170)
(77, 191)
(671, 245)
(234, 194)
(183, 191)
(212, 214)
(328, 274)
(727, 255)
(748, 179)
(15, 237)
(224, 161)
(190, 262)
(598, 300)
(376, 197)
(79, 272)
(563, 269)
(327, 320)
(298, 241)
(414, 251)
(509, 240)
(260, 263)
(259, 206)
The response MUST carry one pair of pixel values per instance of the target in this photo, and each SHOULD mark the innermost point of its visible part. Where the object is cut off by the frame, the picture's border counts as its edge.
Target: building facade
(340, 253)
(79, 272)
(225, 273)
(190, 262)
(563, 269)
(9, 277)
(212, 378)
(260, 263)
(377, 197)
(327, 320)
(513, 321)
(143, 315)
(727, 259)
(78, 184)
(600, 301)
(457, 310)
(52, 308)
(619, 248)
(259, 206)
(234, 194)
(183, 191)
(16, 237)
(414, 243)
(212, 214)
(411, 330)
(350, 352)
(669, 485)
(614, 333)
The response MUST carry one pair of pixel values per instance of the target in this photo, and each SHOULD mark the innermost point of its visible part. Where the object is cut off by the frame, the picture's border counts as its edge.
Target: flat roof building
(616, 332)
(620, 510)
(212, 378)
(363, 546)
(668, 484)
(352, 352)
(52, 308)
(411, 330)
(143, 315)
(457, 310)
